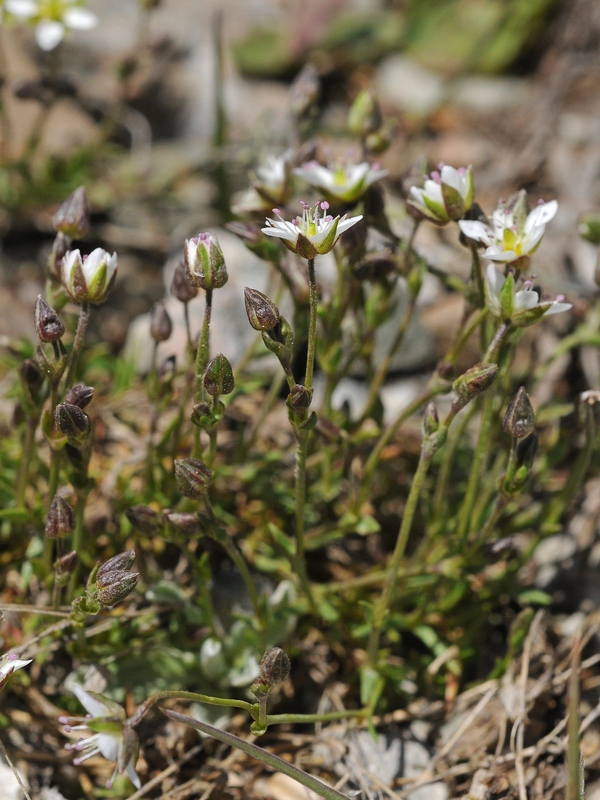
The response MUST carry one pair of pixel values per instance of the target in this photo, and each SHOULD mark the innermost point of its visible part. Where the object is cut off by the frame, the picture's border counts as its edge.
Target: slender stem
(476, 275)
(441, 490)
(188, 330)
(77, 539)
(477, 465)
(203, 348)
(464, 334)
(299, 558)
(193, 697)
(273, 761)
(387, 594)
(493, 350)
(434, 388)
(313, 299)
(84, 315)
(26, 456)
(308, 719)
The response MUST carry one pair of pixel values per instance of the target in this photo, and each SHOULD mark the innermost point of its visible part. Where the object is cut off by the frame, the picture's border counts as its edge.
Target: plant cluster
(298, 522)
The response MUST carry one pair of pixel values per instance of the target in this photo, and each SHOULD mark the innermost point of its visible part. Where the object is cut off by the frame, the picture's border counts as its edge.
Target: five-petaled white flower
(9, 663)
(344, 183)
(513, 234)
(89, 279)
(52, 18)
(523, 307)
(314, 233)
(447, 194)
(110, 738)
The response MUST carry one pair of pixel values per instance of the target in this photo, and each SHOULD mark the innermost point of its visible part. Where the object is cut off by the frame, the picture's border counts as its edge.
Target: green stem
(434, 388)
(387, 595)
(441, 490)
(309, 719)
(77, 543)
(477, 465)
(273, 761)
(313, 299)
(84, 315)
(203, 348)
(299, 557)
(26, 456)
(193, 697)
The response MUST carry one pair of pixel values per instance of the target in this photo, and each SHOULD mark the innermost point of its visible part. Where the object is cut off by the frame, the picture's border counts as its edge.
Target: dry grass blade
(575, 785)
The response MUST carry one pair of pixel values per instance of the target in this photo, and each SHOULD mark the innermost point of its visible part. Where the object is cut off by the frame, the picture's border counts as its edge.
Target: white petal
(91, 705)
(532, 239)
(80, 19)
(478, 231)
(133, 776)
(453, 178)
(344, 224)
(108, 744)
(433, 190)
(13, 664)
(495, 279)
(541, 215)
(503, 256)
(49, 34)
(280, 233)
(23, 9)
(557, 308)
(526, 299)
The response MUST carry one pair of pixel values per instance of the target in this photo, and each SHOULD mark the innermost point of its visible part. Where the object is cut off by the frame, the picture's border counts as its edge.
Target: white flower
(447, 194)
(52, 18)
(204, 261)
(513, 234)
(345, 183)
(9, 663)
(273, 179)
(313, 233)
(88, 279)
(110, 738)
(522, 307)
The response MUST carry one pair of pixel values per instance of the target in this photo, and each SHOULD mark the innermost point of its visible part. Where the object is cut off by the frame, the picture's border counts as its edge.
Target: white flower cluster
(52, 18)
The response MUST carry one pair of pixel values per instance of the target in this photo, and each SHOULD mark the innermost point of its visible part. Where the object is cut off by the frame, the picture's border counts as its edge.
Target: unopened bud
(193, 477)
(218, 376)
(299, 398)
(205, 262)
(80, 395)
(59, 250)
(304, 91)
(201, 415)
(188, 524)
(120, 562)
(475, 381)
(89, 279)
(274, 669)
(263, 315)
(365, 115)
(181, 288)
(431, 420)
(66, 564)
(48, 325)
(161, 326)
(61, 519)
(519, 419)
(73, 215)
(72, 422)
(114, 586)
(143, 519)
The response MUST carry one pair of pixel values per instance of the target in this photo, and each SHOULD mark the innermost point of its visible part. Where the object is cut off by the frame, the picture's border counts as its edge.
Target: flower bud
(73, 215)
(431, 420)
(80, 395)
(188, 524)
(263, 315)
(299, 398)
(48, 325)
(205, 262)
(61, 519)
(89, 279)
(274, 669)
(474, 381)
(114, 586)
(72, 422)
(143, 519)
(161, 326)
(519, 419)
(201, 415)
(365, 115)
(193, 477)
(59, 250)
(120, 562)
(218, 376)
(181, 288)
(66, 564)
(304, 91)
(526, 450)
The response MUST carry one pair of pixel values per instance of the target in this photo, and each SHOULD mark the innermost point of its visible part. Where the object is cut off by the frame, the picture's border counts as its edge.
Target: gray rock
(403, 83)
